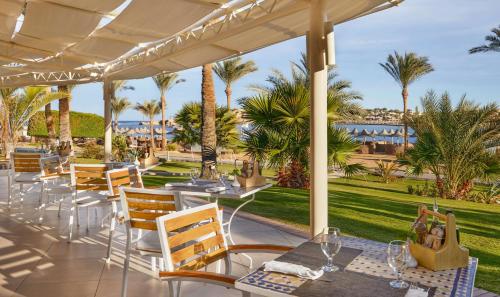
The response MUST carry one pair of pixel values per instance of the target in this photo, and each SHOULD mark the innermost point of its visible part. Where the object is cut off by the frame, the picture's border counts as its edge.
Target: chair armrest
(258, 248)
(200, 276)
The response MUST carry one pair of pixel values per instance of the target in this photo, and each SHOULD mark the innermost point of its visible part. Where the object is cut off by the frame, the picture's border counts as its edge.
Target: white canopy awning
(73, 41)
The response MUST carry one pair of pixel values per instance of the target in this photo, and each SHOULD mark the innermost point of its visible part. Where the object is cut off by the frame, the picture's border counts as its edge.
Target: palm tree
(51, 129)
(121, 85)
(208, 131)
(189, 121)
(165, 82)
(280, 116)
(149, 108)
(7, 95)
(455, 143)
(494, 43)
(405, 70)
(64, 115)
(232, 70)
(118, 106)
(21, 107)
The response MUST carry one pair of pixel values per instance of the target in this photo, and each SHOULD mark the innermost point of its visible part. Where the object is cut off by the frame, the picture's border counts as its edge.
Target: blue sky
(441, 30)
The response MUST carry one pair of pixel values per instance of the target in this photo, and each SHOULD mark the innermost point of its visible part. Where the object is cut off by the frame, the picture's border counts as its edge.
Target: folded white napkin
(293, 269)
(215, 189)
(178, 185)
(416, 292)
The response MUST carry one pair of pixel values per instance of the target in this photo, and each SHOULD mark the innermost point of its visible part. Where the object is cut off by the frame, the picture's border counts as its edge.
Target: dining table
(213, 191)
(363, 272)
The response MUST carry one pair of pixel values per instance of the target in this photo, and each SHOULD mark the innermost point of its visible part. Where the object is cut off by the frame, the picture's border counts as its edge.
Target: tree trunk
(405, 110)
(208, 136)
(5, 131)
(163, 124)
(49, 121)
(151, 134)
(64, 118)
(228, 96)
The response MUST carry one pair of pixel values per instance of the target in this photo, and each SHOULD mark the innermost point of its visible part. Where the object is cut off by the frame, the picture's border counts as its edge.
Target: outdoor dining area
(94, 230)
(76, 229)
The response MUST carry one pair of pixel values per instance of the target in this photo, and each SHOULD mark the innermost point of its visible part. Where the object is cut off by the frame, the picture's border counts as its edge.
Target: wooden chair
(25, 170)
(193, 238)
(140, 208)
(90, 188)
(128, 176)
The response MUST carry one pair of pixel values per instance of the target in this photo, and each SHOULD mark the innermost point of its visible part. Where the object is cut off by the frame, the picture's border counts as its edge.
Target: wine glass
(397, 255)
(330, 243)
(194, 175)
(223, 178)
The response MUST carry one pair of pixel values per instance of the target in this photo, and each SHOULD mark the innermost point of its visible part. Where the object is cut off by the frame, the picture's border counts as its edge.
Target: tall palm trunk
(49, 121)
(404, 93)
(228, 95)
(163, 124)
(5, 130)
(151, 133)
(208, 136)
(64, 118)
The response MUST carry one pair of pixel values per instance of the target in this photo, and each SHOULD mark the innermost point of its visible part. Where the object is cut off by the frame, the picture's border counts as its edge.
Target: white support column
(319, 151)
(108, 132)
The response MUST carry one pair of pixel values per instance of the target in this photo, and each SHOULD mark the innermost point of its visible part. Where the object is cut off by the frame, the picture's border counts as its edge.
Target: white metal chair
(25, 170)
(140, 208)
(90, 189)
(193, 238)
(52, 175)
(128, 176)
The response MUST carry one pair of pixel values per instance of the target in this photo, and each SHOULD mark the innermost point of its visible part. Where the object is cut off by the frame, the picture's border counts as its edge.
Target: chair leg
(126, 263)
(179, 283)
(42, 203)
(9, 191)
(61, 199)
(112, 226)
(71, 219)
(88, 219)
(21, 193)
(170, 289)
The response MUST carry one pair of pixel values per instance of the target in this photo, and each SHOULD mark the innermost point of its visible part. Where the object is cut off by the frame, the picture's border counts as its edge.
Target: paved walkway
(36, 260)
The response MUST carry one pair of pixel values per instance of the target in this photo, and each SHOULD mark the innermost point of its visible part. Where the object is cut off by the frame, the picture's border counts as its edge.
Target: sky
(441, 30)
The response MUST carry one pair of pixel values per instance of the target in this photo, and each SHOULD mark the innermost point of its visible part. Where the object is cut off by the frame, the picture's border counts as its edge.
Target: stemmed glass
(330, 243)
(195, 174)
(397, 255)
(223, 177)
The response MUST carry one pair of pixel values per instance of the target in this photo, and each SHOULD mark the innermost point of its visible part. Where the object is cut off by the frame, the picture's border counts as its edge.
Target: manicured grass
(365, 207)
(87, 161)
(185, 167)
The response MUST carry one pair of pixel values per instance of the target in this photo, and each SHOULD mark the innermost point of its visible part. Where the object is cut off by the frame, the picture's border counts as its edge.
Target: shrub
(93, 151)
(411, 189)
(120, 148)
(86, 125)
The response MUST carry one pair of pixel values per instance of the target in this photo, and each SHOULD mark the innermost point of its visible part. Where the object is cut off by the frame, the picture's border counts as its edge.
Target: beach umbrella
(355, 132)
(385, 133)
(373, 134)
(364, 133)
(158, 131)
(398, 134)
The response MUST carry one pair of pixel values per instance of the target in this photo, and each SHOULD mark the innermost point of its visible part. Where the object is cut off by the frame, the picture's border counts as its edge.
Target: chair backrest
(50, 165)
(128, 176)
(89, 177)
(192, 238)
(26, 162)
(142, 206)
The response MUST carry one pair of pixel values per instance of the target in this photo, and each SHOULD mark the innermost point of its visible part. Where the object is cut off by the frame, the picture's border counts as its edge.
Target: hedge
(87, 125)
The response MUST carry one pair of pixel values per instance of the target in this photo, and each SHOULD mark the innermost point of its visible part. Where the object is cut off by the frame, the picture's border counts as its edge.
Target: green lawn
(383, 212)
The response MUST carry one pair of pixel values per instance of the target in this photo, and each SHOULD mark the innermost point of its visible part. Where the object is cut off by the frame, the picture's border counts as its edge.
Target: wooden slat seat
(192, 239)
